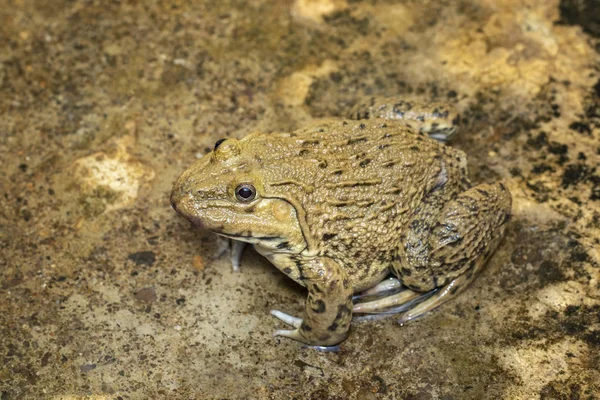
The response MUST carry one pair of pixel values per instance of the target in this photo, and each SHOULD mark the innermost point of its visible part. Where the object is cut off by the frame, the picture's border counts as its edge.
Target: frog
(372, 213)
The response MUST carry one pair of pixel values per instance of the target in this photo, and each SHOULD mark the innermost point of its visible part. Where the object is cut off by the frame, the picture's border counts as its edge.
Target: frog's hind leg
(442, 295)
(449, 253)
(438, 120)
(386, 286)
(394, 303)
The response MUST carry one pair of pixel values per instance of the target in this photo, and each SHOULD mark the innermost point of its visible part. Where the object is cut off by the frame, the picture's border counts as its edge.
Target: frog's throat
(311, 244)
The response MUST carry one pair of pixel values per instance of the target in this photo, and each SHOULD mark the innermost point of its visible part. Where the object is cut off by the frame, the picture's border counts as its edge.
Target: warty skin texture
(339, 206)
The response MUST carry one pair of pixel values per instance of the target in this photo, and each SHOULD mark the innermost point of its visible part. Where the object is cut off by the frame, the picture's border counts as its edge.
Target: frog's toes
(237, 250)
(383, 287)
(324, 349)
(288, 319)
(289, 333)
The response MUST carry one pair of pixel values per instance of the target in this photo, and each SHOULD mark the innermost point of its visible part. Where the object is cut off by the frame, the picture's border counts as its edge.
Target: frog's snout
(180, 197)
(183, 205)
(175, 197)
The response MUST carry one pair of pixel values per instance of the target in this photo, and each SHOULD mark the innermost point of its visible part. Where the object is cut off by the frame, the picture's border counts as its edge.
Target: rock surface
(106, 293)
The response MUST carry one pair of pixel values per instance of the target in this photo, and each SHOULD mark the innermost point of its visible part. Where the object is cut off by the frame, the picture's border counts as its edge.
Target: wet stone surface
(106, 293)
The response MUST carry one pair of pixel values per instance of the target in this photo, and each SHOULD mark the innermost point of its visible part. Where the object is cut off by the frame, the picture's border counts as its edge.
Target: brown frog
(339, 206)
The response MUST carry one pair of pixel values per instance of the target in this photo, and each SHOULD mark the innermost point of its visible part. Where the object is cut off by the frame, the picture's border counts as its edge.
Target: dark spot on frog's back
(329, 236)
(364, 163)
(356, 140)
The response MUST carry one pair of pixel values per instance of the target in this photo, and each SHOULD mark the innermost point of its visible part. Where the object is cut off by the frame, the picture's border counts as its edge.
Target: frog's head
(223, 192)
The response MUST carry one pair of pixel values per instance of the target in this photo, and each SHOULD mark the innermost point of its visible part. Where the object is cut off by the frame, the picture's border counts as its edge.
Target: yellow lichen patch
(110, 180)
(198, 262)
(524, 207)
(536, 366)
(293, 89)
(562, 295)
(395, 18)
(315, 10)
(90, 397)
(515, 52)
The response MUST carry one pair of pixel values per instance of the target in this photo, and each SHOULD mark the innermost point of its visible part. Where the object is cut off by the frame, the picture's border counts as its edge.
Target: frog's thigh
(439, 120)
(466, 233)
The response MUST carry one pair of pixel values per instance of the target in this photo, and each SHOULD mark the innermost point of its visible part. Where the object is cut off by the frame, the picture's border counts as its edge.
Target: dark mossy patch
(539, 141)
(575, 321)
(541, 168)
(146, 258)
(583, 13)
(574, 174)
(581, 127)
(549, 272)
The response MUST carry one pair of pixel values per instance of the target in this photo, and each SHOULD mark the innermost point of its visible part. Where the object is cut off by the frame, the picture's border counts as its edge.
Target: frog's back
(357, 182)
(369, 153)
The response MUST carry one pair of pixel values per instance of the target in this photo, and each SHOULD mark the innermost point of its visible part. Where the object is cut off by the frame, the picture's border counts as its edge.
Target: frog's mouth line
(257, 238)
(275, 244)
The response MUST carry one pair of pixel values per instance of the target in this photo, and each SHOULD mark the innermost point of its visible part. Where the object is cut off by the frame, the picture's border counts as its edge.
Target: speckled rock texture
(105, 293)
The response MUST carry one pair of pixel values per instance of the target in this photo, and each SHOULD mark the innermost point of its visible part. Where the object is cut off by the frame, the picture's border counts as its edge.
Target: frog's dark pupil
(245, 192)
(218, 143)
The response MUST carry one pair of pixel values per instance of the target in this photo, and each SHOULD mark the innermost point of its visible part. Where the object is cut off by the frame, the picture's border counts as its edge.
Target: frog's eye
(218, 143)
(245, 192)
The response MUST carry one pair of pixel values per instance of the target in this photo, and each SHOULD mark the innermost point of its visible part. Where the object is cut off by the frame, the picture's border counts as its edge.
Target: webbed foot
(295, 333)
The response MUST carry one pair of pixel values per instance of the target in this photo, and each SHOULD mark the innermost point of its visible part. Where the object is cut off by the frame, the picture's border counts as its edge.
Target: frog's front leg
(438, 120)
(328, 307)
